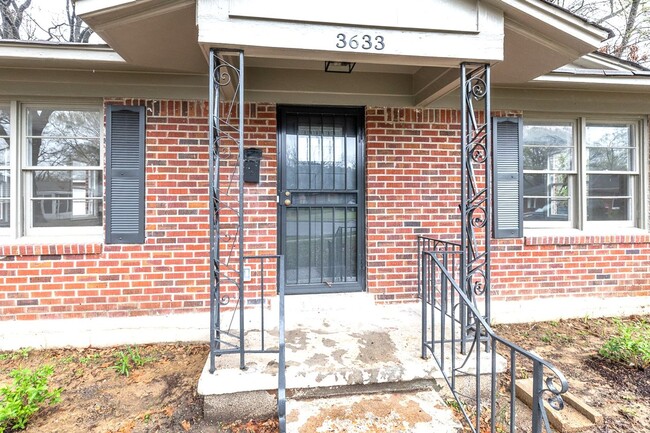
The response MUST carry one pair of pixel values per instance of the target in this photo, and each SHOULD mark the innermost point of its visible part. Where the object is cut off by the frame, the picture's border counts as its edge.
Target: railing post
(224, 134)
(424, 305)
(537, 405)
(475, 190)
(282, 385)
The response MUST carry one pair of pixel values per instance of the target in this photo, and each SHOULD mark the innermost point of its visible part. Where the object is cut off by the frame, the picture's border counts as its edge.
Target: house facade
(355, 122)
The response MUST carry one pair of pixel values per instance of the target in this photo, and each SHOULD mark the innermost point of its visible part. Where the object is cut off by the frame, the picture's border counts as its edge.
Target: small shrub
(631, 345)
(122, 363)
(24, 397)
(127, 360)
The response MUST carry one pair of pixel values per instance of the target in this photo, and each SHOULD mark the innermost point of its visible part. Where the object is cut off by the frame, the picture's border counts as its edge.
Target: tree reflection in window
(63, 151)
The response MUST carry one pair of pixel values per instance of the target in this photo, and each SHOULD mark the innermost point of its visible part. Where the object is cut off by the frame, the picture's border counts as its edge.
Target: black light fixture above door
(339, 67)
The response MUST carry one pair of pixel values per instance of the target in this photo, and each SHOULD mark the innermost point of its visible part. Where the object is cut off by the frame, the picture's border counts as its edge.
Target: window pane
(63, 137)
(608, 197)
(303, 153)
(5, 131)
(53, 152)
(5, 186)
(548, 147)
(607, 185)
(548, 158)
(546, 197)
(601, 209)
(47, 122)
(66, 198)
(610, 147)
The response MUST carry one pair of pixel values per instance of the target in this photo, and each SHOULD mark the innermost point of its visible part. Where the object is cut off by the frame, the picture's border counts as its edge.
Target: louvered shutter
(507, 175)
(125, 175)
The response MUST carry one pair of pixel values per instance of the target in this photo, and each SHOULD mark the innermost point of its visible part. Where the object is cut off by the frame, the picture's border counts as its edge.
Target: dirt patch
(619, 392)
(159, 396)
(373, 415)
(376, 347)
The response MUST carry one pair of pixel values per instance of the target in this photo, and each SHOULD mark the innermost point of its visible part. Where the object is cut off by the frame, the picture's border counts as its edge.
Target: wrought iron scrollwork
(226, 167)
(453, 278)
(475, 194)
(226, 189)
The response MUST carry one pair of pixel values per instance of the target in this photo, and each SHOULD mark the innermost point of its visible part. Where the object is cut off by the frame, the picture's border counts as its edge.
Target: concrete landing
(335, 345)
(409, 412)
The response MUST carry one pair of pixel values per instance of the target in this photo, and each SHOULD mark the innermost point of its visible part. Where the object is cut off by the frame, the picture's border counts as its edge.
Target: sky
(47, 12)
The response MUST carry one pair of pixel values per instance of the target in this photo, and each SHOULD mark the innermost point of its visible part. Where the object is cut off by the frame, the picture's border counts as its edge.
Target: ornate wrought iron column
(226, 149)
(476, 192)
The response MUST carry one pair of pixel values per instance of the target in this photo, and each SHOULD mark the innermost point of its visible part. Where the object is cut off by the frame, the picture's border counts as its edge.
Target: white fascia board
(82, 54)
(84, 7)
(559, 19)
(318, 41)
(607, 63)
(640, 83)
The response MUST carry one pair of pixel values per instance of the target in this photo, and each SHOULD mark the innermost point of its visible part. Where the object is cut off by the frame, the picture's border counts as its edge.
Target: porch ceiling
(169, 35)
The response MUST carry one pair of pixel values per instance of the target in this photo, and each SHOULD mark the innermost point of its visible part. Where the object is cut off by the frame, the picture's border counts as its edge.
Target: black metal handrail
(442, 295)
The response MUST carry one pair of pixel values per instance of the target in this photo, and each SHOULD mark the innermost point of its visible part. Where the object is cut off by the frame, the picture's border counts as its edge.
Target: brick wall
(412, 175)
(170, 272)
(580, 266)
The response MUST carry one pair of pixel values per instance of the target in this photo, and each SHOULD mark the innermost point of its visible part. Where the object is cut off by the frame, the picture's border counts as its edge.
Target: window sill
(580, 237)
(30, 246)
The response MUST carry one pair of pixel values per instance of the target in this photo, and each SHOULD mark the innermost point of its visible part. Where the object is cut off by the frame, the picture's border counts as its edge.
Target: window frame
(634, 184)
(578, 177)
(572, 174)
(21, 228)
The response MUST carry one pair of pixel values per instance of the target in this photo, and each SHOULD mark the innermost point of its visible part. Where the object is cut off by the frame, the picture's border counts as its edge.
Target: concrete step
(405, 412)
(356, 349)
(375, 350)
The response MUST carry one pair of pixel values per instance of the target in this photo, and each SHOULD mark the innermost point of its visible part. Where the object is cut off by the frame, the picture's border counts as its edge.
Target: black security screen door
(321, 199)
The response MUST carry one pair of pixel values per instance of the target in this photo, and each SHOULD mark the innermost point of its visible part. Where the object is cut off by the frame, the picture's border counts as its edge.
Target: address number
(364, 42)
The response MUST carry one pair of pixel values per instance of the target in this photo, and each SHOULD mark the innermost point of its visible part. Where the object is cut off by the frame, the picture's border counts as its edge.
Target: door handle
(287, 201)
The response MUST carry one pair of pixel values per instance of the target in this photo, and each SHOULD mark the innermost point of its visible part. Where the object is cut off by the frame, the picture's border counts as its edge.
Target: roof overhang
(286, 43)
(156, 34)
(59, 55)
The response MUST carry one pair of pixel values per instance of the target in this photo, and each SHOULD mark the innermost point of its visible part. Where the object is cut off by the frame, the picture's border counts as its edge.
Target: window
(5, 169)
(581, 174)
(53, 155)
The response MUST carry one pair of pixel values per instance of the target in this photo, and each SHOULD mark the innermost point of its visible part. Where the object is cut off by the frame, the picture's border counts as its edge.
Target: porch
(348, 360)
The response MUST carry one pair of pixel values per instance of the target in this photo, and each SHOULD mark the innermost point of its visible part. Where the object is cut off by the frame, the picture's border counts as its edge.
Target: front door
(321, 199)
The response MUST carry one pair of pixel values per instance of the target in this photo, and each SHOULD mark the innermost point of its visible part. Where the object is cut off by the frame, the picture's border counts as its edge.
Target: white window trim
(639, 177)
(20, 230)
(572, 176)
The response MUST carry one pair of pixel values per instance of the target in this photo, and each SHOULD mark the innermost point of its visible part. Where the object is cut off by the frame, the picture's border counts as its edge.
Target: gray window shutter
(507, 177)
(125, 174)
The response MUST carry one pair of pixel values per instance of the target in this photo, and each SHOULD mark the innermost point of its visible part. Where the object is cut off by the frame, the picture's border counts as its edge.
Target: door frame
(359, 112)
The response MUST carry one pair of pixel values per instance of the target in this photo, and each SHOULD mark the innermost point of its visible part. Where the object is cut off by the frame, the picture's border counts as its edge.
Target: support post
(476, 193)
(226, 219)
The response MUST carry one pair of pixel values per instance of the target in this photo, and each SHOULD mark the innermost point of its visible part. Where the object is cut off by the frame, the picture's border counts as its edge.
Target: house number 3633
(364, 42)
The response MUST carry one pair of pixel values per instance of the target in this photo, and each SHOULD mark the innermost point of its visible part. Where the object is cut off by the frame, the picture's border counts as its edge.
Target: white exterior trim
(101, 332)
(567, 307)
